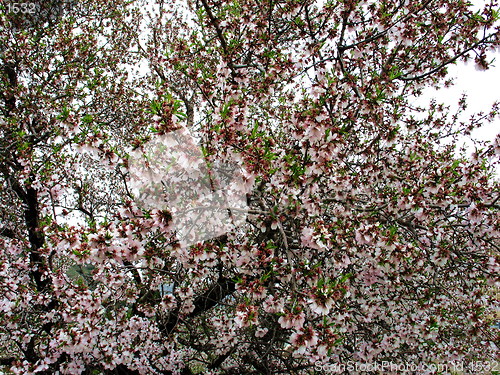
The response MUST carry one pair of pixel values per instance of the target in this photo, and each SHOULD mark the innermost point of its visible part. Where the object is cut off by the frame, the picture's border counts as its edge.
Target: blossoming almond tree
(369, 236)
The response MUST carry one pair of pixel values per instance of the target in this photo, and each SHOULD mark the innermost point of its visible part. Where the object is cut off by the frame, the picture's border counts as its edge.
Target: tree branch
(212, 297)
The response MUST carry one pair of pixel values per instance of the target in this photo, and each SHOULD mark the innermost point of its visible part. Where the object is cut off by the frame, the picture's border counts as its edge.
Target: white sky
(482, 89)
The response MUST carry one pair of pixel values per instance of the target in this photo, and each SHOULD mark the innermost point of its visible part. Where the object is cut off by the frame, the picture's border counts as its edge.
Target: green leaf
(255, 129)
(455, 164)
(226, 108)
(155, 107)
(394, 72)
(87, 119)
(344, 278)
(338, 341)
(180, 115)
(64, 114)
(495, 14)
(321, 282)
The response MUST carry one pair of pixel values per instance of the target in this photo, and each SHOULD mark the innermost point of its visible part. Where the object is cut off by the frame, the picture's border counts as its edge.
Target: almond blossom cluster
(262, 196)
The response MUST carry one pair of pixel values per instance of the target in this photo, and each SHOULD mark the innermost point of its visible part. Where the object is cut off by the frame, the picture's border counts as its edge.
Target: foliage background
(370, 236)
